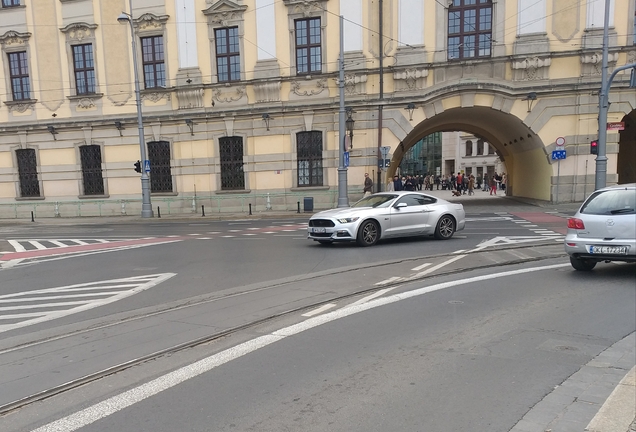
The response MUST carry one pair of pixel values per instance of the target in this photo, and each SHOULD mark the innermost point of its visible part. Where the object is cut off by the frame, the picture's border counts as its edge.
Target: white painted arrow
(500, 241)
(32, 307)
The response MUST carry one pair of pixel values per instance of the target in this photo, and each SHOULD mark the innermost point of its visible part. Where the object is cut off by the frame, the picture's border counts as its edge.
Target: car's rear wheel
(368, 234)
(445, 228)
(582, 264)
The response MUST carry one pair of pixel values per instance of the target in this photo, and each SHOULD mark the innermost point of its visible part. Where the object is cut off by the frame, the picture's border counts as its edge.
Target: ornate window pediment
(224, 12)
(79, 32)
(151, 23)
(306, 8)
(14, 39)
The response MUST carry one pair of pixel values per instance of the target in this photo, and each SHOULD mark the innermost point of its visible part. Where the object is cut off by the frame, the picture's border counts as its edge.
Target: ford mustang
(388, 215)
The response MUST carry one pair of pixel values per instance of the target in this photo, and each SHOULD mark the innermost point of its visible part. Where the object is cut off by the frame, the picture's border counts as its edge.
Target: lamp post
(146, 206)
(349, 126)
(343, 197)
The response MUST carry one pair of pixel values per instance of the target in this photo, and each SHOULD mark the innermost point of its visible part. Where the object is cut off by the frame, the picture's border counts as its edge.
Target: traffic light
(138, 166)
(594, 147)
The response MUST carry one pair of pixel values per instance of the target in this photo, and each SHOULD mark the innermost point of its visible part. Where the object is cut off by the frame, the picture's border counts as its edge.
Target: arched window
(469, 148)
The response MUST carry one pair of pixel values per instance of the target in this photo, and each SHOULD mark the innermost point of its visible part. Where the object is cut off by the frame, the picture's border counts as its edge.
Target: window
(231, 151)
(469, 29)
(84, 66)
(160, 173)
(480, 147)
(491, 150)
(153, 62)
(469, 148)
(91, 158)
(19, 75)
(309, 155)
(10, 3)
(228, 59)
(28, 173)
(308, 48)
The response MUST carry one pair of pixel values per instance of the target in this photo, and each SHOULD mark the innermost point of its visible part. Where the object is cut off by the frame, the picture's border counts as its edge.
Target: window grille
(28, 173)
(228, 59)
(91, 158)
(309, 156)
(84, 66)
(19, 75)
(160, 173)
(308, 46)
(153, 62)
(469, 29)
(232, 174)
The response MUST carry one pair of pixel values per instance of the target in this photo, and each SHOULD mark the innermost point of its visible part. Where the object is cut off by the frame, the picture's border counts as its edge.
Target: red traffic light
(594, 147)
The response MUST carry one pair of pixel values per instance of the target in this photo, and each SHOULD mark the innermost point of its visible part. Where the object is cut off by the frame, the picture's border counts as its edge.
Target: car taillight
(575, 223)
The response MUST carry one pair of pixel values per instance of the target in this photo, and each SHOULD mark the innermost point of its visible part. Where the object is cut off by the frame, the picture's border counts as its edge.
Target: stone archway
(626, 166)
(529, 168)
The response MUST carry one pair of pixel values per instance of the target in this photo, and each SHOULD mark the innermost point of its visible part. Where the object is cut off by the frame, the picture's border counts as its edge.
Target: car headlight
(348, 220)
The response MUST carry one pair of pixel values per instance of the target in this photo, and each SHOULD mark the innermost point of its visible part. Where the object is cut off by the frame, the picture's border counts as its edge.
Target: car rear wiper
(623, 210)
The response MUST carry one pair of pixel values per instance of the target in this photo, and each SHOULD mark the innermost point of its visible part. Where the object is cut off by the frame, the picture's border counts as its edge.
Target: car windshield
(375, 201)
(611, 202)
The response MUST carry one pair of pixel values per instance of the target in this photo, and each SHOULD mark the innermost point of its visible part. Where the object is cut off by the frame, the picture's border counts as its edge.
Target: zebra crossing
(24, 245)
(27, 308)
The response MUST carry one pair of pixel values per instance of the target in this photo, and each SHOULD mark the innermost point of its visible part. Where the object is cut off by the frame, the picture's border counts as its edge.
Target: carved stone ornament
(13, 38)
(77, 32)
(531, 68)
(224, 11)
(86, 103)
(410, 79)
(156, 96)
(190, 98)
(355, 83)
(149, 22)
(233, 95)
(20, 106)
(267, 91)
(299, 90)
(592, 63)
(306, 8)
(631, 57)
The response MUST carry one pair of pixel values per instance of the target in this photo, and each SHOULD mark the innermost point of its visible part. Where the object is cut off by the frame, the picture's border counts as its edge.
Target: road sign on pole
(560, 142)
(346, 159)
(558, 154)
(147, 165)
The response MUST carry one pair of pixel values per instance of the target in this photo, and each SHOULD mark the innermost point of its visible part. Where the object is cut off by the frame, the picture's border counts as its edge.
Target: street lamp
(349, 126)
(146, 206)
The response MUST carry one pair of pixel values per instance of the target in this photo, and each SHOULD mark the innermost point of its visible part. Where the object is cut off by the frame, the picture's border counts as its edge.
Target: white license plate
(613, 250)
(317, 230)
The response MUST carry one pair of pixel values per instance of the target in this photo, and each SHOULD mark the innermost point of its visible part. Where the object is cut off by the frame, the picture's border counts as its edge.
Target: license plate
(612, 250)
(317, 230)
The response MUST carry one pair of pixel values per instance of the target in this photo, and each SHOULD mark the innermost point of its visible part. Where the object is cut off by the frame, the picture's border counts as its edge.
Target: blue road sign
(558, 154)
(346, 159)
(384, 163)
(147, 165)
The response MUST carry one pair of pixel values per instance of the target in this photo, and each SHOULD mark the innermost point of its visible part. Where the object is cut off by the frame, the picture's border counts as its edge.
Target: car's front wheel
(445, 228)
(582, 264)
(368, 234)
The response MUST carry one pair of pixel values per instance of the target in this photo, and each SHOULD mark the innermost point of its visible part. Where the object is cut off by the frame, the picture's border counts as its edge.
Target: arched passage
(529, 170)
(627, 150)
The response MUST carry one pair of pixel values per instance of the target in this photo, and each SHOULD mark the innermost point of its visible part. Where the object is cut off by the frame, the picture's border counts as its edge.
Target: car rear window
(611, 202)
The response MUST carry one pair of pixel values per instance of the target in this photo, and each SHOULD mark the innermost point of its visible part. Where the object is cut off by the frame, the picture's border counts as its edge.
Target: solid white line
(37, 245)
(372, 296)
(320, 310)
(529, 226)
(31, 299)
(389, 280)
(437, 267)
(17, 246)
(124, 400)
(42, 305)
(420, 267)
(459, 251)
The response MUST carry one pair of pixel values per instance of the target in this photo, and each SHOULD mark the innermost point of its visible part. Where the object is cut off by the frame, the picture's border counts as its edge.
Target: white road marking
(125, 286)
(389, 280)
(520, 221)
(240, 223)
(320, 310)
(502, 241)
(204, 238)
(171, 236)
(459, 251)
(235, 230)
(228, 236)
(194, 234)
(214, 232)
(434, 268)
(268, 232)
(374, 295)
(253, 228)
(249, 234)
(420, 267)
(37, 245)
(488, 219)
(17, 246)
(529, 226)
(128, 398)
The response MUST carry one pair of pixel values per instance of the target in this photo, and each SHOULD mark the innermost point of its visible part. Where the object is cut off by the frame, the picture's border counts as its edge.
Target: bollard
(57, 209)
(268, 206)
(202, 211)
(123, 208)
(32, 217)
(250, 209)
(159, 212)
(298, 211)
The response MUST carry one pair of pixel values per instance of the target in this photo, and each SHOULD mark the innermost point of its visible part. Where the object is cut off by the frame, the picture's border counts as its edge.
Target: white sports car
(388, 215)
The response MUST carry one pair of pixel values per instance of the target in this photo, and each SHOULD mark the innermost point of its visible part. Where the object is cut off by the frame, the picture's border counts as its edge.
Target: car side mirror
(400, 205)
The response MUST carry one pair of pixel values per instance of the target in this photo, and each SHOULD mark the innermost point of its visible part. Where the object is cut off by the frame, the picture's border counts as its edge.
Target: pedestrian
(493, 184)
(503, 182)
(368, 185)
(390, 187)
(471, 185)
(397, 183)
(486, 184)
(465, 180)
(459, 181)
(420, 181)
(409, 184)
(437, 182)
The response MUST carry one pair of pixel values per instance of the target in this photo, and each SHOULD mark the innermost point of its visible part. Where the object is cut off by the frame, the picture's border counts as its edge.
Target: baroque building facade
(240, 97)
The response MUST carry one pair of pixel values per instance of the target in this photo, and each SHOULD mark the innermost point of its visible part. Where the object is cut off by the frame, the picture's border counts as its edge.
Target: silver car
(604, 228)
(388, 215)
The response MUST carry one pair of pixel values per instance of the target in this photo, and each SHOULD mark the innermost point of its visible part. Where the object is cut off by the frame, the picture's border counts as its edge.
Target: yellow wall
(57, 157)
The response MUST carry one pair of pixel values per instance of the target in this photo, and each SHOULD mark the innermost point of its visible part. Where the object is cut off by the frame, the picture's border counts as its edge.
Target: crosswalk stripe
(58, 243)
(17, 246)
(38, 245)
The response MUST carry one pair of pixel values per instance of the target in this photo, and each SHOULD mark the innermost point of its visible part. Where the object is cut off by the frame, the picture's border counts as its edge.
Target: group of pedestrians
(461, 183)
(414, 183)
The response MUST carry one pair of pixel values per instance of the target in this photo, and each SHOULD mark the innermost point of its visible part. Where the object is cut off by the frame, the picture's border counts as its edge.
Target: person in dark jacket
(397, 184)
